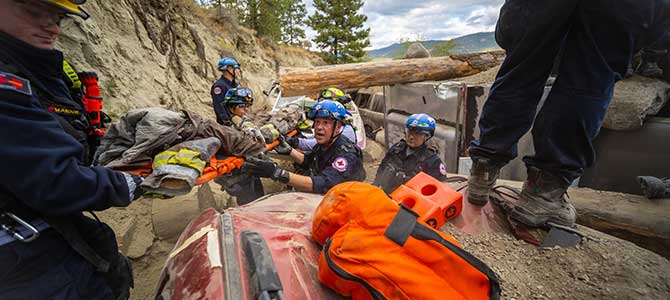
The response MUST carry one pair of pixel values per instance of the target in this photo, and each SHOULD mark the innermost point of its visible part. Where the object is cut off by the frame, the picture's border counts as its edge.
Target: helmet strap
(232, 74)
(334, 135)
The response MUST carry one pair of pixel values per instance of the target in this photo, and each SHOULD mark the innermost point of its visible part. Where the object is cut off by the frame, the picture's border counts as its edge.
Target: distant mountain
(475, 42)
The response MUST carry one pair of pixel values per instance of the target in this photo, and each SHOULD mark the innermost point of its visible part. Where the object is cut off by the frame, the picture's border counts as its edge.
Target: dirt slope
(164, 53)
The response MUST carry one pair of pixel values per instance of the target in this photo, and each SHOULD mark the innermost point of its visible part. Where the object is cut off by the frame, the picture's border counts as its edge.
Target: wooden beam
(308, 81)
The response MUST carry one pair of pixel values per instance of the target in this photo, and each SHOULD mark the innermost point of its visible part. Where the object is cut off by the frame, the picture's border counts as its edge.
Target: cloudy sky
(391, 20)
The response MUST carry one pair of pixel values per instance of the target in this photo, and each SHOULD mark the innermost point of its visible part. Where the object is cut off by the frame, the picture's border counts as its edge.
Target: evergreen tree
(262, 16)
(292, 21)
(339, 27)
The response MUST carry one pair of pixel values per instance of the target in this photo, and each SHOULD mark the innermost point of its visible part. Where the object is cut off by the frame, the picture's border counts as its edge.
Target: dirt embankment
(164, 54)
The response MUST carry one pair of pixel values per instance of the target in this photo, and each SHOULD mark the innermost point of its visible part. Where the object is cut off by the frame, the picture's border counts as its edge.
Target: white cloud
(391, 20)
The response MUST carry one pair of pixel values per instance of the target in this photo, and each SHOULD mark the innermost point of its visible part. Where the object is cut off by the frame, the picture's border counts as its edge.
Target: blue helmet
(226, 62)
(421, 122)
(239, 95)
(330, 109)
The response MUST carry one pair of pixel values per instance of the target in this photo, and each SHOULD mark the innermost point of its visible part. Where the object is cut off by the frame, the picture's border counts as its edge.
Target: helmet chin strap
(232, 74)
(333, 136)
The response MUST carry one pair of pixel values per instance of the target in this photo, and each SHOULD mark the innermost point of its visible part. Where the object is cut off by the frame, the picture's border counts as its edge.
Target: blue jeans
(597, 40)
(48, 268)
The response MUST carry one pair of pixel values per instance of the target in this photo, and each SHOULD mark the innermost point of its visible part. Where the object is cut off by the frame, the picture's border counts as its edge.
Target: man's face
(240, 109)
(31, 21)
(414, 138)
(232, 73)
(324, 129)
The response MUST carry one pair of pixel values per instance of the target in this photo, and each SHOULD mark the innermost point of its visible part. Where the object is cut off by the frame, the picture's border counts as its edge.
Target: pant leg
(510, 109)
(598, 50)
(252, 190)
(244, 187)
(48, 268)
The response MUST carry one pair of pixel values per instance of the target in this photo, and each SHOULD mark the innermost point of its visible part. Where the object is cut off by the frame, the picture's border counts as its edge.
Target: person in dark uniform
(410, 156)
(305, 144)
(597, 39)
(48, 248)
(230, 69)
(335, 159)
(244, 187)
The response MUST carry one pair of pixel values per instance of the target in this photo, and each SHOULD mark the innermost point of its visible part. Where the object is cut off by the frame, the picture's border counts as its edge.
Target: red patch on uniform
(15, 83)
(217, 90)
(340, 164)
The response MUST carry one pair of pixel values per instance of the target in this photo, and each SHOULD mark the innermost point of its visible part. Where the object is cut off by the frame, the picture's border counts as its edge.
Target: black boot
(483, 176)
(543, 199)
(654, 188)
(650, 69)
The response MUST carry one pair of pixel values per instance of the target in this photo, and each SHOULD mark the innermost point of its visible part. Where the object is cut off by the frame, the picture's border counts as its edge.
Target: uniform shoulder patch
(443, 169)
(340, 164)
(15, 83)
(217, 90)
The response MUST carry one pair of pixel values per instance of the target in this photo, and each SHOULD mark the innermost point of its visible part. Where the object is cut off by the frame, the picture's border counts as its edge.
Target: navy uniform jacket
(398, 167)
(42, 165)
(218, 92)
(341, 162)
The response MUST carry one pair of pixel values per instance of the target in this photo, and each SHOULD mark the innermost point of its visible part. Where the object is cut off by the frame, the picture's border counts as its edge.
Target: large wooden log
(308, 81)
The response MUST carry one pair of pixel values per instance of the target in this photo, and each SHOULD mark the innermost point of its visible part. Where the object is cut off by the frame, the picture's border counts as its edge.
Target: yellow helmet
(70, 6)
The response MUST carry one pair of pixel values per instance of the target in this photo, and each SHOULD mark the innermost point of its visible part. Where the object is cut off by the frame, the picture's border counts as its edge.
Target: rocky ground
(602, 267)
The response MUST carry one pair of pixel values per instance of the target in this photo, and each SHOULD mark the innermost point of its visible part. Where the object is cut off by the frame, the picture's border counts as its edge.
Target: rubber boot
(543, 199)
(483, 176)
(650, 69)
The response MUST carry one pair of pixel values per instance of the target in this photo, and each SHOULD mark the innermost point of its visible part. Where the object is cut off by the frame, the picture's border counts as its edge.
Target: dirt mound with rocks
(164, 54)
(602, 267)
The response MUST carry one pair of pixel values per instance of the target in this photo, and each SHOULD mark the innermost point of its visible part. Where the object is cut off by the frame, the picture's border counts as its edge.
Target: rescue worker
(335, 159)
(48, 248)
(598, 39)
(230, 69)
(331, 93)
(235, 106)
(411, 155)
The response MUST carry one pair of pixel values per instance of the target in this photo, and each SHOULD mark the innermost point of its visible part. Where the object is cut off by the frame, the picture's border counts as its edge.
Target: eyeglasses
(40, 13)
(245, 105)
(415, 131)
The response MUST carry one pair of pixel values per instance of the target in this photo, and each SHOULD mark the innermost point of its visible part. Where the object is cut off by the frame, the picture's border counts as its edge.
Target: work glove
(283, 148)
(264, 168)
(293, 141)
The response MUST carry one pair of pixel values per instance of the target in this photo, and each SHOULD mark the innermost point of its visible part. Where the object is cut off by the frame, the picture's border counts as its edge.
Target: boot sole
(478, 202)
(537, 221)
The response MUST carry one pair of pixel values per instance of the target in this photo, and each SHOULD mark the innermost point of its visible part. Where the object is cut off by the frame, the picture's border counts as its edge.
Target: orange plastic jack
(435, 203)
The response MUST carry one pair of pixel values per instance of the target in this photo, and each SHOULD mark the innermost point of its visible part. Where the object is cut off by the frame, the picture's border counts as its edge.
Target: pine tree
(292, 21)
(339, 27)
(262, 16)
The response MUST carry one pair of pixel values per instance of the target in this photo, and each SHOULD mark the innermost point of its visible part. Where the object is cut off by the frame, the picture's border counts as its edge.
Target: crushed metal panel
(440, 100)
